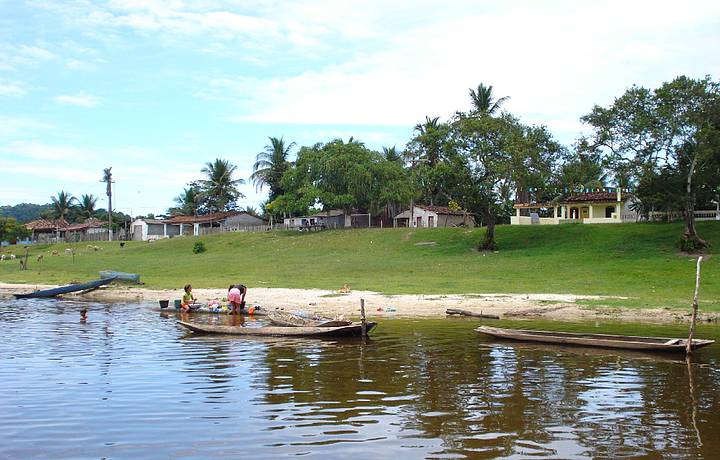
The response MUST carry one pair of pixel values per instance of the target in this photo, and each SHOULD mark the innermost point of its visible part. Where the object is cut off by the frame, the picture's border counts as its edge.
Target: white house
(433, 216)
(606, 207)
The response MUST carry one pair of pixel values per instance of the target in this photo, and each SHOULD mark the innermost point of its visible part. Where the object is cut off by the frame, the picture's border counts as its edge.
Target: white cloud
(80, 100)
(15, 126)
(12, 88)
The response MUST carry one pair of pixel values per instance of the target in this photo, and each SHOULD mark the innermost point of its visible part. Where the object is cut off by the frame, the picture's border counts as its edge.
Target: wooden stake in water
(693, 319)
(363, 322)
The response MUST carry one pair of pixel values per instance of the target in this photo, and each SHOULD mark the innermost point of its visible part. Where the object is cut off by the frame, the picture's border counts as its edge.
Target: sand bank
(562, 307)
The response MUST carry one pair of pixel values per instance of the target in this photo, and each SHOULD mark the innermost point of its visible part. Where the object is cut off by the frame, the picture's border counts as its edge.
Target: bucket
(178, 303)
(164, 303)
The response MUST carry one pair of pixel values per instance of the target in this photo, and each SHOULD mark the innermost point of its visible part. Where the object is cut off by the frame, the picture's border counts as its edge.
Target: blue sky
(157, 88)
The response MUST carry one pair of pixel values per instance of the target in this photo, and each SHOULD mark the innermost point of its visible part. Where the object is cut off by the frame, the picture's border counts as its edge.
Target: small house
(424, 216)
(91, 229)
(47, 230)
(334, 218)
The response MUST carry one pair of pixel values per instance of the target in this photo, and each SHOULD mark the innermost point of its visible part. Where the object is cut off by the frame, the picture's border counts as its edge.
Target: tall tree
(62, 205)
(270, 165)
(86, 206)
(675, 127)
(483, 100)
(494, 155)
(219, 187)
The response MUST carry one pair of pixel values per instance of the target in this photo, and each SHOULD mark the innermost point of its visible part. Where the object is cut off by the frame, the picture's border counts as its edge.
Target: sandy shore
(330, 303)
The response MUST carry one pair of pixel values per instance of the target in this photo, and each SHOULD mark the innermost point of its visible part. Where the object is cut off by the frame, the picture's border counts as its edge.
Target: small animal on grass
(40, 258)
(345, 289)
(2, 256)
(55, 253)
(12, 256)
(68, 251)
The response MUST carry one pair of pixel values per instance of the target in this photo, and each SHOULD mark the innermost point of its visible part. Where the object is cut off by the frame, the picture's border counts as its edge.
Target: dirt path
(330, 303)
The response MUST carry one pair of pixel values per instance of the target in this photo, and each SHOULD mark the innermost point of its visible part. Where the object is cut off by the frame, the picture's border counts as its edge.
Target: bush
(199, 247)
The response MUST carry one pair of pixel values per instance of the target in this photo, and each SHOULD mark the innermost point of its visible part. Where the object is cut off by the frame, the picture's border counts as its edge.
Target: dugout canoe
(45, 293)
(285, 319)
(355, 329)
(625, 342)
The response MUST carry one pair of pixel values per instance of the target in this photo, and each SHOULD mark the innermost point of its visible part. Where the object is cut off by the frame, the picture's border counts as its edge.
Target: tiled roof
(47, 224)
(591, 196)
(89, 223)
(214, 217)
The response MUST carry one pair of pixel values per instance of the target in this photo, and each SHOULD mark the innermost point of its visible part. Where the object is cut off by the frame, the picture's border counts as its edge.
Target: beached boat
(120, 276)
(44, 293)
(354, 329)
(595, 340)
(285, 319)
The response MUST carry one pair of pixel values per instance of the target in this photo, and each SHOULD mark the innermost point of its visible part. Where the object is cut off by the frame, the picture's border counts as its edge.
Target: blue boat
(65, 289)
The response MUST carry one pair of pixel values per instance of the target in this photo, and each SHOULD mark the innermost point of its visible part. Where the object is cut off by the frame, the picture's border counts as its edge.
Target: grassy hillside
(637, 260)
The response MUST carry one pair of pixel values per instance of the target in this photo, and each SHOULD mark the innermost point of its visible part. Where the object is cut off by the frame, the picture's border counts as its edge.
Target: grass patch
(638, 261)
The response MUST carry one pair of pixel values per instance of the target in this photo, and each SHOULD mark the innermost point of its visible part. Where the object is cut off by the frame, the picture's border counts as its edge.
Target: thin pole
(688, 347)
(363, 322)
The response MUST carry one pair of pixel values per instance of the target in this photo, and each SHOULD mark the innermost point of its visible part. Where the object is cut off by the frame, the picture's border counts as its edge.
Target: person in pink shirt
(236, 298)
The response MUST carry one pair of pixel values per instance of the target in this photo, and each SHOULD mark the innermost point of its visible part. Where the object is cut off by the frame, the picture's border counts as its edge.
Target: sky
(157, 88)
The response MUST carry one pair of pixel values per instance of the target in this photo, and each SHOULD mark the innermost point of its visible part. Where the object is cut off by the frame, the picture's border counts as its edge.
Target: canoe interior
(281, 318)
(595, 340)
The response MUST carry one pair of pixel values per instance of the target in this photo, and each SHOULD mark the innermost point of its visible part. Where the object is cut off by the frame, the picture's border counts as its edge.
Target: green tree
(11, 230)
(86, 206)
(219, 188)
(494, 155)
(483, 101)
(62, 205)
(676, 126)
(188, 202)
(270, 165)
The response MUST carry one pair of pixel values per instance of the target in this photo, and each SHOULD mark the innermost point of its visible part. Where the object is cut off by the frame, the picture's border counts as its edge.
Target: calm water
(131, 383)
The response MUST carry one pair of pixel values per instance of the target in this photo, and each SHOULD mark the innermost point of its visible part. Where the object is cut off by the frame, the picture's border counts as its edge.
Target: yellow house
(607, 207)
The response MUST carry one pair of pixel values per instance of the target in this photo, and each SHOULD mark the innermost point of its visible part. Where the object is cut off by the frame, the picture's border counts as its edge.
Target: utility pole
(107, 178)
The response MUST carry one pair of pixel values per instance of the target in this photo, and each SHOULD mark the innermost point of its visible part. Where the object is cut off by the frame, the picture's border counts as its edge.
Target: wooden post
(27, 250)
(363, 322)
(688, 347)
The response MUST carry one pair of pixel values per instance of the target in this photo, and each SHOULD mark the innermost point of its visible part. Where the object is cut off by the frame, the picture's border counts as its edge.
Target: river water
(130, 383)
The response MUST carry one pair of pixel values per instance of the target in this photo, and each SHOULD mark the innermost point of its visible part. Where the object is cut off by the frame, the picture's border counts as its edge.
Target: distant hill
(23, 212)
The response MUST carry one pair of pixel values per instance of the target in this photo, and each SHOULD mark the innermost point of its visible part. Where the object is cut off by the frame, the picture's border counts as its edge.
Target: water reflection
(129, 382)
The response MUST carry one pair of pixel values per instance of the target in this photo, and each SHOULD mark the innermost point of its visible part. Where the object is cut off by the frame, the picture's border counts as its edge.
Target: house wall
(243, 220)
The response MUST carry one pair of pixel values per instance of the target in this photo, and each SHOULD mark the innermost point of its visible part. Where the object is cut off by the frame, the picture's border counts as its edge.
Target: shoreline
(556, 307)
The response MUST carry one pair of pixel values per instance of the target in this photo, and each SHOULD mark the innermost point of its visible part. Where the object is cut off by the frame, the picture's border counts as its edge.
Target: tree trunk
(488, 243)
(692, 240)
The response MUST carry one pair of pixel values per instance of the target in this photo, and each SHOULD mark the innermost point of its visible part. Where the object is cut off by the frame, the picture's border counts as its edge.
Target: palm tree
(429, 138)
(86, 206)
(188, 202)
(482, 100)
(220, 188)
(62, 205)
(270, 165)
(391, 154)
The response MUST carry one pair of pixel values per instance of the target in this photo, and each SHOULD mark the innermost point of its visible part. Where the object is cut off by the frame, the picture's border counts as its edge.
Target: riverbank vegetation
(637, 261)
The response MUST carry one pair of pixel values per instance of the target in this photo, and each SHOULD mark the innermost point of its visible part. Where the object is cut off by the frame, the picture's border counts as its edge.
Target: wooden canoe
(299, 331)
(285, 319)
(595, 340)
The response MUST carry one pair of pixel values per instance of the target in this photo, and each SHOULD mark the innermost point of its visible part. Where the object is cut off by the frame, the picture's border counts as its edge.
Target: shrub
(199, 247)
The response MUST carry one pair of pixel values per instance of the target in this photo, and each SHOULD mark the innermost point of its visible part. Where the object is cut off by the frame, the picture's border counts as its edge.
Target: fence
(77, 237)
(225, 229)
(663, 216)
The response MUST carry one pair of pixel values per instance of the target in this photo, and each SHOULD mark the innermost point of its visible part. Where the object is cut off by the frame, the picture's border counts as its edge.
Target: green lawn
(634, 260)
